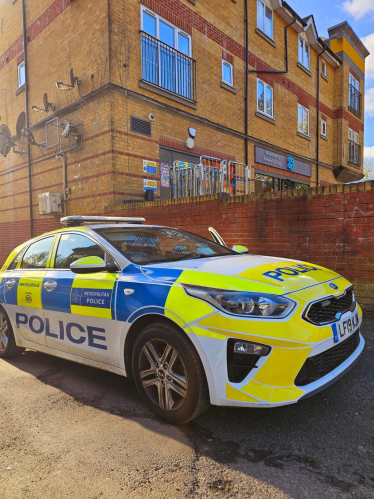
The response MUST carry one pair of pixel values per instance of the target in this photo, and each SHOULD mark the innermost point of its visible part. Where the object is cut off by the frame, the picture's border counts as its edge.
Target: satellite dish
(45, 103)
(20, 125)
(5, 142)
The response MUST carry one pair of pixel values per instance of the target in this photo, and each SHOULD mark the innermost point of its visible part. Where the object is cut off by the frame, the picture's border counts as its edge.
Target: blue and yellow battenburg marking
(92, 295)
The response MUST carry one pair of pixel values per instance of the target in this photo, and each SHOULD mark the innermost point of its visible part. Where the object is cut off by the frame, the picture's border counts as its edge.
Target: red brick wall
(330, 228)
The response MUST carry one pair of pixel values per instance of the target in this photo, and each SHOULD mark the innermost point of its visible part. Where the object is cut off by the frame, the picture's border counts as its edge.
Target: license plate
(341, 330)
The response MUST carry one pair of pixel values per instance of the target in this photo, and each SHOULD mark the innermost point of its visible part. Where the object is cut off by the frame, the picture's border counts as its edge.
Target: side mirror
(90, 265)
(240, 249)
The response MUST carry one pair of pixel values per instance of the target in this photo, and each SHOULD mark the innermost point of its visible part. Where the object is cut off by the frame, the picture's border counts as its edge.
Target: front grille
(325, 311)
(318, 366)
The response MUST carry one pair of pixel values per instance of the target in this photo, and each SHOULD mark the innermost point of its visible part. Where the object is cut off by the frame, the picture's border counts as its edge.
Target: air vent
(140, 126)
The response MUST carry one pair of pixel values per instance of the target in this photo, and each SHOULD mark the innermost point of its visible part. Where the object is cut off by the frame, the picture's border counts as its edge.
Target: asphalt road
(72, 431)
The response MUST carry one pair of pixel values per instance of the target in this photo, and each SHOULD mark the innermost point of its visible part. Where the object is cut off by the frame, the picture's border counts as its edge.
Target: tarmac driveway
(72, 431)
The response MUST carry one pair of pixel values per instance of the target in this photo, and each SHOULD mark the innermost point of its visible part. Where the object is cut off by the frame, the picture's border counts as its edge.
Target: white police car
(191, 320)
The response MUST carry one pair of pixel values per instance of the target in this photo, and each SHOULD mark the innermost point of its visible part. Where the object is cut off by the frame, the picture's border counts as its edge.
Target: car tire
(168, 374)
(8, 347)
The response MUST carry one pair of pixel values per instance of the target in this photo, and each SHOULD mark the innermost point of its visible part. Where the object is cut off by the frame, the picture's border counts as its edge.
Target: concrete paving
(72, 431)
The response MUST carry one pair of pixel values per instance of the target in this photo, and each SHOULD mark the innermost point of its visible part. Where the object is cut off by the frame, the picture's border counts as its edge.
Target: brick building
(149, 74)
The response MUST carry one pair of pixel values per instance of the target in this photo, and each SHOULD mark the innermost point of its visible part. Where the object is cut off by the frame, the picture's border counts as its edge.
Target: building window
(227, 73)
(304, 58)
(354, 148)
(324, 68)
(21, 74)
(264, 98)
(303, 120)
(354, 96)
(264, 18)
(323, 128)
(166, 55)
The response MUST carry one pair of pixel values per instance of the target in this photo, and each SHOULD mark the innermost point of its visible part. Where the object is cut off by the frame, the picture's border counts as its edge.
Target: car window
(74, 246)
(160, 244)
(13, 265)
(37, 254)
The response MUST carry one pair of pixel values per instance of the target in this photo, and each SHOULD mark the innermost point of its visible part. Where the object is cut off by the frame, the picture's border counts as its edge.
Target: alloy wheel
(163, 374)
(4, 338)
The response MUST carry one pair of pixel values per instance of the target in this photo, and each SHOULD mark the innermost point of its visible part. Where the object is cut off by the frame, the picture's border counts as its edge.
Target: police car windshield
(146, 245)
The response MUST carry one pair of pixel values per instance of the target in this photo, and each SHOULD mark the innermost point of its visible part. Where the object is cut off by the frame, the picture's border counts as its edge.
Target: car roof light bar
(77, 220)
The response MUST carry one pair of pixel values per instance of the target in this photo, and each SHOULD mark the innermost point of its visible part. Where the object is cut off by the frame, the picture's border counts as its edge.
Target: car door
(23, 290)
(79, 309)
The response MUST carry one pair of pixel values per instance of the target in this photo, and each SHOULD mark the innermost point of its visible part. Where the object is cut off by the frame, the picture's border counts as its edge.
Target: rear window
(36, 255)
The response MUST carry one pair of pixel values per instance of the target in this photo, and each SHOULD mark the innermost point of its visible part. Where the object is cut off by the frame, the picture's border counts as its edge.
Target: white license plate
(342, 329)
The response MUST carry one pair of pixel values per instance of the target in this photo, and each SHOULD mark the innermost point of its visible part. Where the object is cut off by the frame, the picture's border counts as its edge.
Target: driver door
(79, 309)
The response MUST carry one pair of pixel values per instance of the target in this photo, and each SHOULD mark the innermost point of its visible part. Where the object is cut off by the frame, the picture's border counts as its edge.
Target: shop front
(280, 173)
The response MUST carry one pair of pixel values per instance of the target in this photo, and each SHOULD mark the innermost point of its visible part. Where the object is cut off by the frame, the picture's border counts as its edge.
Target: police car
(192, 321)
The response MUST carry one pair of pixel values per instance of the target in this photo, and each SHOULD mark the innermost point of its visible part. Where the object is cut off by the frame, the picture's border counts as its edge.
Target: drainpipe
(318, 124)
(246, 84)
(64, 159)
(286, 55)
(27, 116)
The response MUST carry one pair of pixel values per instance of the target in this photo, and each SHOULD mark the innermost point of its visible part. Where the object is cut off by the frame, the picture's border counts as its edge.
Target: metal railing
(354, 153)
(167, 68)
(210, 176)
(354, 100)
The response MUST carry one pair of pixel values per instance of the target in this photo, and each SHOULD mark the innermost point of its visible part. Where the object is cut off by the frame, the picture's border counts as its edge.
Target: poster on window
(165, 174)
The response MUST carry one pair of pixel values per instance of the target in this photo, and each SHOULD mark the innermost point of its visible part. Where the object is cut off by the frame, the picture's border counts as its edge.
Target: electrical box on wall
(49, 203)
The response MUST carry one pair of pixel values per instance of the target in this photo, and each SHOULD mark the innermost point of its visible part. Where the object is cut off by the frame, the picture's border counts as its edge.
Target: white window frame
(354, 82)
(354, 136)
(305, 44)
(262, 28)
(305, 110)
(176, 29)
(19, 67)
(266, 85)
(323, 67)
(323, 125)
(228, 64)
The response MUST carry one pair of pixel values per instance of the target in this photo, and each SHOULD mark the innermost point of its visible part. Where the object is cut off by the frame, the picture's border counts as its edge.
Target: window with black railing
(354, 100)
(167, 68)
(354, 153)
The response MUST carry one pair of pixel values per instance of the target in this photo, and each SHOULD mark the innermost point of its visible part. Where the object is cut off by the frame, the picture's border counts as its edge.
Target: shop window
(304, 53)
(264, 98)
(264, 18)
(303, 120)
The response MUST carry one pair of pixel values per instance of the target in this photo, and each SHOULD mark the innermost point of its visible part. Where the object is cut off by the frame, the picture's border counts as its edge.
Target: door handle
(50, 285)
(10, 283)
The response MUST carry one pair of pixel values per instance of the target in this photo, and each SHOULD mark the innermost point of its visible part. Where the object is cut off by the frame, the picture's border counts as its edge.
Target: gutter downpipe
(286, 55)
(318, 131)
(246, 83)
(27, 115)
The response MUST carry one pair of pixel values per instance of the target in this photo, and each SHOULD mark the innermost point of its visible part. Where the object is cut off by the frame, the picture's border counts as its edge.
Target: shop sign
(149, 167)
(149, 185)
(281, 161)
(165, 174)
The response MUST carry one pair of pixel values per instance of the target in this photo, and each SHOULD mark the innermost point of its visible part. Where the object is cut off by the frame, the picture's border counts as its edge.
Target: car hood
(243, 272)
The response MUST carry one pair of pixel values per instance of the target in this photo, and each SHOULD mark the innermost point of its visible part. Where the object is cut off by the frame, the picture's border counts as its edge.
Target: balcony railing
(167, 68)
(354, 100)
(354, 153)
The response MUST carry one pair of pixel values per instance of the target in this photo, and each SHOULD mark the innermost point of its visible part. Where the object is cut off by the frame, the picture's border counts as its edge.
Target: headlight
(243, 303)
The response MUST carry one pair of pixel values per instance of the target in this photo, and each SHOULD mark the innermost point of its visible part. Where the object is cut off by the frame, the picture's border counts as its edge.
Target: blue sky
(360, 15)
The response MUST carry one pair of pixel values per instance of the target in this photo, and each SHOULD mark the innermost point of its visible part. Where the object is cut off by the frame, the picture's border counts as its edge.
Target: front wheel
(168, 374)
(8, 346)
